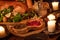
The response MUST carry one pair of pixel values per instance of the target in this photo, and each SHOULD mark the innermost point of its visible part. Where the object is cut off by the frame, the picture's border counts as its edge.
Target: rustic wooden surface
(32, 37)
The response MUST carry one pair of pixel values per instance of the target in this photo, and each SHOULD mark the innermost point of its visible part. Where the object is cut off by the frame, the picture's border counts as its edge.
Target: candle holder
(57, 30)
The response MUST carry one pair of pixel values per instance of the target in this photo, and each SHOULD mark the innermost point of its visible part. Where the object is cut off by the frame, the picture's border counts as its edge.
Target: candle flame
(51, 17)
(2, 29)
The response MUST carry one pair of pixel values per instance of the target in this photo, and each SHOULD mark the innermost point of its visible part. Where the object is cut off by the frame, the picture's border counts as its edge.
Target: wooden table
(40, 36)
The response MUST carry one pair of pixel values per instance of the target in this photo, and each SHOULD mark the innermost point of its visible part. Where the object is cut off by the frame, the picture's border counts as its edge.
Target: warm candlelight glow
(51, 23)
(51, 17)
(55, 5)
(2, 29)
(2, 32)
(51, 26)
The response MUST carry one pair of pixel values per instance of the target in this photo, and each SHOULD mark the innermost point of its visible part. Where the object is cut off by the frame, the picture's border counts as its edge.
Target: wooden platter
(23, 32)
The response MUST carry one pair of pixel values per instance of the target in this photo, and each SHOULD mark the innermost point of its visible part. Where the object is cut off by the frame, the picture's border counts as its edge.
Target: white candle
(51, 17)
(51, 26)
(2, 32)
(55, 5)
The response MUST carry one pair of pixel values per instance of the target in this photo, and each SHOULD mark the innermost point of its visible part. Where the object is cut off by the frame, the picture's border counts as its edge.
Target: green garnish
(1, 17)
(17, 18)
(25, 14)
(5, 11)
(10, 8)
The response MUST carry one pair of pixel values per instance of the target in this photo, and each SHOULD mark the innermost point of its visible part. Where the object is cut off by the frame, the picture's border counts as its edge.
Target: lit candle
(51, 26)
(51, 23)
(55, 5)
(2, 32)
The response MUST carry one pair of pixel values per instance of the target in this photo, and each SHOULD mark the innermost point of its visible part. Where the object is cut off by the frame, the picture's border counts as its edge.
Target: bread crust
(6, 4)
